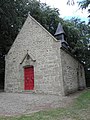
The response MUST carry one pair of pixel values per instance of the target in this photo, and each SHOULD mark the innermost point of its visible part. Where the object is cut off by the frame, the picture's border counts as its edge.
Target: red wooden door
(29, 78)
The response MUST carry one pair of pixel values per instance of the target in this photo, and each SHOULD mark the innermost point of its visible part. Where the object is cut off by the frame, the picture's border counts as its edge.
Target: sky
(67, 11)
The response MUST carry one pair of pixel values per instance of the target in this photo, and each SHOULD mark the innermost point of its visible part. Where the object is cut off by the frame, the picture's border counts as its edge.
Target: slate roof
(59, 30)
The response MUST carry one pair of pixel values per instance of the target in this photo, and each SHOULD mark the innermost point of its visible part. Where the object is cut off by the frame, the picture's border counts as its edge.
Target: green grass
(80, 110)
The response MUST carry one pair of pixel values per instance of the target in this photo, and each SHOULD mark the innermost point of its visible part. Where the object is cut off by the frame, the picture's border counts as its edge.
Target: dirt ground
(25, 103)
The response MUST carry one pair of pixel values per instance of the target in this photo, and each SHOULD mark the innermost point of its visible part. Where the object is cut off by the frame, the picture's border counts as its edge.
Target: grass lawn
(79, 110)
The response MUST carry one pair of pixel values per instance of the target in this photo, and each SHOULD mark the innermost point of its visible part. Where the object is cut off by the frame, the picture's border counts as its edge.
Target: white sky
(67, 11)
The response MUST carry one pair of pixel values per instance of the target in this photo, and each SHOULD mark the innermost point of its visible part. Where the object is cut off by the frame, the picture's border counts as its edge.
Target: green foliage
(70, 2)
(13, 14)
(85, 4)
(78, 38)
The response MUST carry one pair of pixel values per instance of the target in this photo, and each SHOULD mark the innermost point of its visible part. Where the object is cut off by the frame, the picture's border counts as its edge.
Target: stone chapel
(41, 63)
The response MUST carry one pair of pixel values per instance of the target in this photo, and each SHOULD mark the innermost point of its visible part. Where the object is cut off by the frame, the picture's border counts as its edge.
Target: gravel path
(23, 103)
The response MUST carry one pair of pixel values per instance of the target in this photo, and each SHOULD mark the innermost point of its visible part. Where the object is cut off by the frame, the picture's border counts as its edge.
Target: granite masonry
(55, 70)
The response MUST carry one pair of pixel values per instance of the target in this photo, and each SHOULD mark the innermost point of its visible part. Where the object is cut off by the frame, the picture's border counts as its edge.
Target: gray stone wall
(73, 76)
(55, 71)
(47, 67)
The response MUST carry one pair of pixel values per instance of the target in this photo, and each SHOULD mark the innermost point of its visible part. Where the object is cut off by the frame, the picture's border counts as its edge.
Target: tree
(13, 14)
(85, 4)
(77, 36)
(70, 2)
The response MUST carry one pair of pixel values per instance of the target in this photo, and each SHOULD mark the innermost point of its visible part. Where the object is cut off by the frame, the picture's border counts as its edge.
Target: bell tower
(60, 35)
